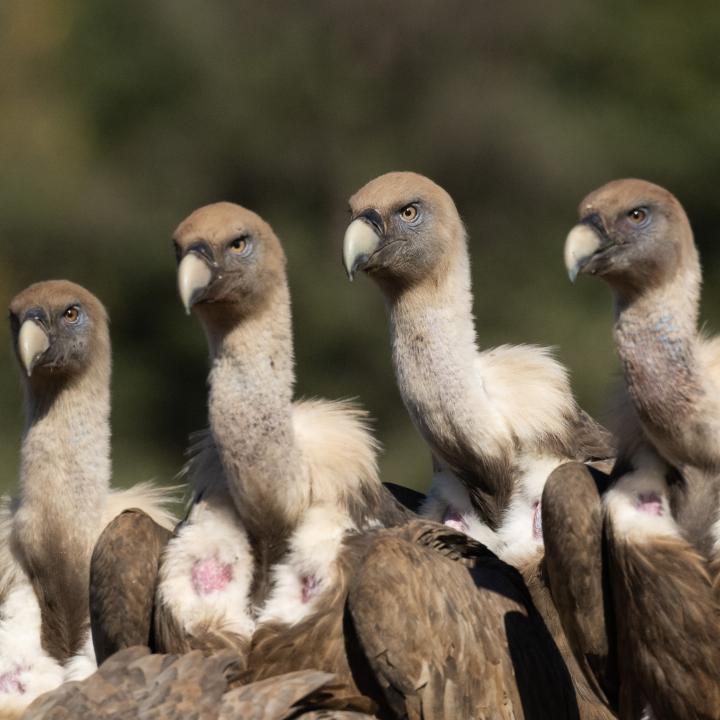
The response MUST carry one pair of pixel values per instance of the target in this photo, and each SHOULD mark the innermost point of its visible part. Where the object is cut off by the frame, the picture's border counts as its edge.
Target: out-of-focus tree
(119, 118)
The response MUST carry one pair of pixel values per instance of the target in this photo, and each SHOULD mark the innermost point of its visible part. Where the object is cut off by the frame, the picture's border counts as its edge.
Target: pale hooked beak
(581, 244)
(360, 242)
(193, 276)
(32, 343)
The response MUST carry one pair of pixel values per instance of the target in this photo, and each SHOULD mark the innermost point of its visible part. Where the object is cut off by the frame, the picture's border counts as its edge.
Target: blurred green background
(118, 119)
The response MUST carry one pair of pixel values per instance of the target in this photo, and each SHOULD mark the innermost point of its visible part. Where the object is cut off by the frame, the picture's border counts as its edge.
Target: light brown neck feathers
(64, 481)
(658, 345)
(250, 412)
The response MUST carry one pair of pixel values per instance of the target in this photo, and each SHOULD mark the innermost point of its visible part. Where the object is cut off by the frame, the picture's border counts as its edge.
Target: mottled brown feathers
(668, 628)
(134, 684)
(428, 648)
(123, 572)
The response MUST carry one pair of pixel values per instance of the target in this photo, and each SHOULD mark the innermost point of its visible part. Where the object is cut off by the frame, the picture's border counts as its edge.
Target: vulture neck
(435, 354)
(656, 336)
(64, 483)
(250, 412)
(65, 459)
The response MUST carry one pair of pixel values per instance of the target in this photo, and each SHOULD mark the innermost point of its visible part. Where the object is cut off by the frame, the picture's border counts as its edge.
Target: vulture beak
(32, 343)
(194, 275)
(362, 239)
(581, 244)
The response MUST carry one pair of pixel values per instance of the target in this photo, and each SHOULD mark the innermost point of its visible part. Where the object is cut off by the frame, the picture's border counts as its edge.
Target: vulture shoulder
(123, 576)
(529, 388)
(339, 455)
(668, 621)
(532, 393)
(430, 627)
(572, 521)
(338, 449)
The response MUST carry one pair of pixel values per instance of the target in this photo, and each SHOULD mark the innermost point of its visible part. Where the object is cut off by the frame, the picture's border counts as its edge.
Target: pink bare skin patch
(10, 682)
(537, 522)
(310, 587)
(650, 503)
(454, 519)
(210, 575)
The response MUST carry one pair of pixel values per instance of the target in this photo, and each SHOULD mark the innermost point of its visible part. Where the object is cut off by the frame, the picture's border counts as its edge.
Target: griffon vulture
(47, 533)
(497, 421)
(277, 483)
(661, 511)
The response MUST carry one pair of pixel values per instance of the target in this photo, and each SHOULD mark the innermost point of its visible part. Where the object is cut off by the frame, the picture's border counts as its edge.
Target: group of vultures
(555, 570)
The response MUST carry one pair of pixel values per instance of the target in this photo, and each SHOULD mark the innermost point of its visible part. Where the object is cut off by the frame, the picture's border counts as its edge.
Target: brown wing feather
(133, 683)
(123, 572)
(668, 627)
(448, 641)
(320, 642)
(572, 531)
(282, 696)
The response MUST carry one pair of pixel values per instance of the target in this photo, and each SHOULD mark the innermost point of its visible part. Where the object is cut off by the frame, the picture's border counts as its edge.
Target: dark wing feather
(409, 498)
(448, 641)
(123, 573)
(668, 626)
(572, 531)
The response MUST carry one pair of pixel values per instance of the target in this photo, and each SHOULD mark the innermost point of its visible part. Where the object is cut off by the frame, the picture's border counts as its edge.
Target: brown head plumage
(59, 330)
(633, 234)
(404, 229)
(229, 260)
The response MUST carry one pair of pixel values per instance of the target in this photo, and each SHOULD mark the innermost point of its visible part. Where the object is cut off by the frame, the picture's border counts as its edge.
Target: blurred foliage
(118, 119)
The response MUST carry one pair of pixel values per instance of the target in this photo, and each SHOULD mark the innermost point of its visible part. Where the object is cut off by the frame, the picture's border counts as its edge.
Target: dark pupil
(237, 242)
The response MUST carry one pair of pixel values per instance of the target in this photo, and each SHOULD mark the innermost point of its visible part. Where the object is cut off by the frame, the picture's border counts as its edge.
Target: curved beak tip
(360, 242)
(193, 276)
(32, 343)
(581, 244)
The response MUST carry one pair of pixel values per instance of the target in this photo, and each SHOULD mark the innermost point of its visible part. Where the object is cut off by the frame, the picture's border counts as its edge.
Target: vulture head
(59, 330)
(228, 260)
(633, 234)
(405, 229)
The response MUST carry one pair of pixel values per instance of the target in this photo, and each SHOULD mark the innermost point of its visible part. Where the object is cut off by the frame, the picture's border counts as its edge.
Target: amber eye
(637, 215)
(240, 245)
(409, 213)
(71, 315)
